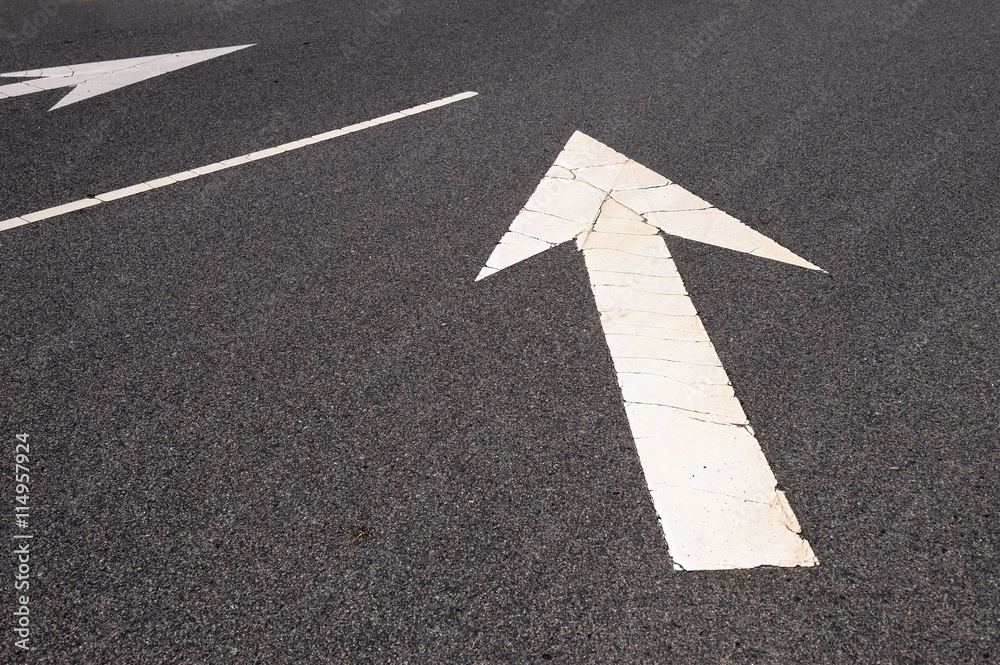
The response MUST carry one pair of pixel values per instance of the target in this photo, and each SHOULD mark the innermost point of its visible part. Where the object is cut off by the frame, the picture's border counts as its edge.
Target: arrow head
(588, 175)
(94, 78)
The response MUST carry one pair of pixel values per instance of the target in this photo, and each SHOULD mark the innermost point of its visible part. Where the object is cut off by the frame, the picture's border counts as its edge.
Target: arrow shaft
(39, 85)
(712, 487)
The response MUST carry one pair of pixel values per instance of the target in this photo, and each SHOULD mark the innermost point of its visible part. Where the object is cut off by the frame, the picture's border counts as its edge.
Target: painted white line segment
(712, 488)
(96, 78)
(60, 210)
(132, 190)
(123, 192)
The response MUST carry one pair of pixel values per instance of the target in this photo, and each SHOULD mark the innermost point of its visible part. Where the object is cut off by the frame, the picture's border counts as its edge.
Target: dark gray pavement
(273, 420)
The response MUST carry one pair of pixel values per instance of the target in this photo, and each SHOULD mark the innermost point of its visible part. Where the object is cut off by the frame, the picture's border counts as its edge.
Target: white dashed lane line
(149, 185)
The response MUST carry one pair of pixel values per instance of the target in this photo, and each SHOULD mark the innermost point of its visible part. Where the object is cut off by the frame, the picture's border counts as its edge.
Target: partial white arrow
(713, 490)
(95, 78)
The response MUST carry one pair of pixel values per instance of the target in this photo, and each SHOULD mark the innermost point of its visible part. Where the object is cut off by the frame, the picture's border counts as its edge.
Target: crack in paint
(685, 383)
(656, 337)
(730, 496)
(681, 408)
(681, 362)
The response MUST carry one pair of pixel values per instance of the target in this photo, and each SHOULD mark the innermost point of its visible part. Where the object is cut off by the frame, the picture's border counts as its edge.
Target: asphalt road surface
(272, 418)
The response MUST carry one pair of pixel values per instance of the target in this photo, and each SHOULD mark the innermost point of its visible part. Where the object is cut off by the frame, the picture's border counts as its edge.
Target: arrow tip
(486, 272)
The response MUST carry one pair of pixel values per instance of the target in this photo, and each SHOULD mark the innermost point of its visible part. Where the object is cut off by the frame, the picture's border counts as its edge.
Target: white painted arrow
(95, 78)
(713, 490)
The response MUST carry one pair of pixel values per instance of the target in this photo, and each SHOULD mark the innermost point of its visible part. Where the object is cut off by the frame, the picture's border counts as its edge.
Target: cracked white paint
(713, 490)
(96, 78)
(132, 190)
